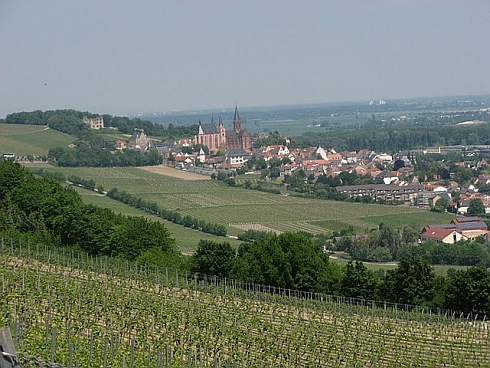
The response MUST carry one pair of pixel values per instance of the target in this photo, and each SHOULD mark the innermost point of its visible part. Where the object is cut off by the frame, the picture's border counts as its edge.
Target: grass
(36, 140)
(112, 136)
(399, 221)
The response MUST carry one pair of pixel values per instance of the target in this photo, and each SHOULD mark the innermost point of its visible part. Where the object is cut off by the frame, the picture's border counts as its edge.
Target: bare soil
(176, 173)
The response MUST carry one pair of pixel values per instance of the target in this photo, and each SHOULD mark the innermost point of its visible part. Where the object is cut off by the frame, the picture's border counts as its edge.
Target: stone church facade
(216, 137)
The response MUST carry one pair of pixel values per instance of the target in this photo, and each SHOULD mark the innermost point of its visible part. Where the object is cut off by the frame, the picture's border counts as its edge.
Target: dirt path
(176, 173)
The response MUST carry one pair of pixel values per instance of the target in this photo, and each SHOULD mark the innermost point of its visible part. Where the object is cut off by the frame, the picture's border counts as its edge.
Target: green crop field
(186, 239)
(24, 140)
(238, 208)
(97, 312)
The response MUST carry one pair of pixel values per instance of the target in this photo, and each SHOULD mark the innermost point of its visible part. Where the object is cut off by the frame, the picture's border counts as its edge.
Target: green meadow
(24, 140)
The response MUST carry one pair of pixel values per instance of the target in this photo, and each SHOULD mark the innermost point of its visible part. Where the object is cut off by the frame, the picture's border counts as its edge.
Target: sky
(123, 57)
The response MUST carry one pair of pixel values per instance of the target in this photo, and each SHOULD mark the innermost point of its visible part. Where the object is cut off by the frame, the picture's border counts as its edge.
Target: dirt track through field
(176, 173)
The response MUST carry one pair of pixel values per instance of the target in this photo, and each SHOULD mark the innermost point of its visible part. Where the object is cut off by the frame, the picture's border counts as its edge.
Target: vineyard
(216, 202)
(100, 312)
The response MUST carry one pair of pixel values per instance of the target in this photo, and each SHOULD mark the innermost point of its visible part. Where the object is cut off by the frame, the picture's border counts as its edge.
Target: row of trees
(389, 138)
(390, 244)
(42, 210)
(137, 202)
(291, 260)
(86, 156)
(169, 215)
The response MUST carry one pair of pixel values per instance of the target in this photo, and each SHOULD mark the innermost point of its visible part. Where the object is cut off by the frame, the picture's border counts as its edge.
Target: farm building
(460, 228)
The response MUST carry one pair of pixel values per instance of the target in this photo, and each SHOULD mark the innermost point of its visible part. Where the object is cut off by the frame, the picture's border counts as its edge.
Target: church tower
(221, 131)
(237, 123)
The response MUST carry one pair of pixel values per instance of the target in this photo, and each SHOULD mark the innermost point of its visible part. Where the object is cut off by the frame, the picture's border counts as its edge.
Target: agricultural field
(216, 202)
(186, 239)
(98, 312)
(34, 140)
(296, 127)
(111, 136)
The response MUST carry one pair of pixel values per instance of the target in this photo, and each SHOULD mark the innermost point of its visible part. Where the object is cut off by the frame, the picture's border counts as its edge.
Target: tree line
(169, 215)
(84, 155)
(388, 138)
(69, 121)
(139, 203)
(42, 210)
(292, 260)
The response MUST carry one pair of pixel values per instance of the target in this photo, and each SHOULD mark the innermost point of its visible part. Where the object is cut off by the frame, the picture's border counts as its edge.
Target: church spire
(237, 123)
(237, 115)
(212, 118)
(220, 121)
(200, 127)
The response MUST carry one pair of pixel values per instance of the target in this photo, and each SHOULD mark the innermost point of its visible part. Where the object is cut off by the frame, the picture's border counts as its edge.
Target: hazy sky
(117, 56)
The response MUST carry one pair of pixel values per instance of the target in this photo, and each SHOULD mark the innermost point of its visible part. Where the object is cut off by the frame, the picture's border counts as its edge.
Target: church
(216, 137)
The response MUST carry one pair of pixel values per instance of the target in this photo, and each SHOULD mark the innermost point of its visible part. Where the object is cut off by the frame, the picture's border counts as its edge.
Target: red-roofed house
(441, 235)
(466, 228)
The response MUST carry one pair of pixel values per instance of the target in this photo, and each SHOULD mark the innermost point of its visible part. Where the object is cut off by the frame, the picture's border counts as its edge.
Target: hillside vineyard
(101, 312)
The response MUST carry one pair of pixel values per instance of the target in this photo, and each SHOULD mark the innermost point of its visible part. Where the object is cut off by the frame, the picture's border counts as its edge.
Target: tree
(409, 235)
(188, 150)
(468, 290)
(398, 164)
(463, 175)
(288, 260)
(440, 205)
(212, 258)
(261, 164)
(274, 172)
(412, 282)
(389, 237)
(476, 207)
(358, 282)
(12, 175)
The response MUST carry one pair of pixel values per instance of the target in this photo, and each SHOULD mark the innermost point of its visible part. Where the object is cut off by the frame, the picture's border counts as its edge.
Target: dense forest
(41, 210)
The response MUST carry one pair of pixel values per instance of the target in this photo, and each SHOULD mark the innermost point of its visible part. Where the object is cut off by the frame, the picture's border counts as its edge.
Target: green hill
(24, 140)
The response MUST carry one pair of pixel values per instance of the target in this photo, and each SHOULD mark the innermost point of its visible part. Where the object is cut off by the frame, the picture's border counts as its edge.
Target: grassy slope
(26, 140)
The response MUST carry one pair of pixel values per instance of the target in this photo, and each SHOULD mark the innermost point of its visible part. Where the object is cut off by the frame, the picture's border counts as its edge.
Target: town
(457, 174)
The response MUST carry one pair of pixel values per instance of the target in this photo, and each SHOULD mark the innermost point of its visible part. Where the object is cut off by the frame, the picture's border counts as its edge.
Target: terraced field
(216, 202)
